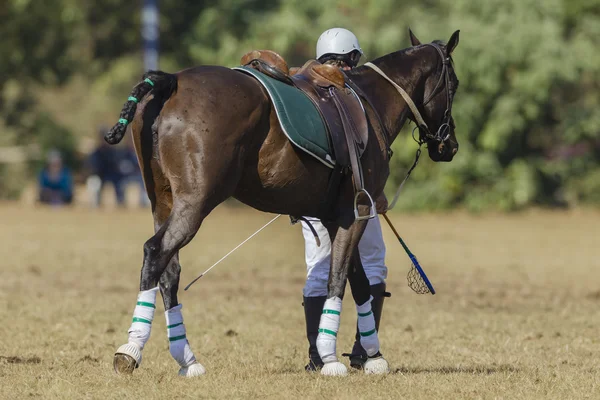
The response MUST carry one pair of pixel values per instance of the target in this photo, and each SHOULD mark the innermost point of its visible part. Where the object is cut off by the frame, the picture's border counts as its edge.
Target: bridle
(443, 132)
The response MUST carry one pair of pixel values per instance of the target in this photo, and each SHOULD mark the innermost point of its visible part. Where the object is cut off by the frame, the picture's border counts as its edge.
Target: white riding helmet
(337, 41)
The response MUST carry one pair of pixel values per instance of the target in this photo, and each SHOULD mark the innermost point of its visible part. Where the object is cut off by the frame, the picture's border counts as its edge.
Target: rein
(409, 102)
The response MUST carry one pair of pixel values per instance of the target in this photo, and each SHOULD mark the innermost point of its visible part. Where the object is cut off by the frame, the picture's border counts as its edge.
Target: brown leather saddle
(338, 104)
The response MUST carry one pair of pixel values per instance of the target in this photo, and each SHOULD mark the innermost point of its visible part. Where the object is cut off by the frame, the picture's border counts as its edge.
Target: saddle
(339, 106)
(269, 63)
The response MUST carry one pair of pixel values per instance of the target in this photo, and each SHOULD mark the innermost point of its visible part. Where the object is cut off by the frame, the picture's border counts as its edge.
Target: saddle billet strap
(328, 209)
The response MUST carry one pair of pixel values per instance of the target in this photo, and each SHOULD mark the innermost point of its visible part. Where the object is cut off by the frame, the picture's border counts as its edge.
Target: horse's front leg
(367, 328)
(344, 242)
(179, 347)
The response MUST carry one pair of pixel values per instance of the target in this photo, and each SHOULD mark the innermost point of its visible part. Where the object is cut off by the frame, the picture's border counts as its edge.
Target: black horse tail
(160, 83)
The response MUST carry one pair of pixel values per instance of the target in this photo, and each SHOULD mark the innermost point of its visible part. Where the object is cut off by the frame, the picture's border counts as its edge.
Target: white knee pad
(372, 252)
(317, 259)
(369, 339)
(178, 343)
(328, 329)
(141, 325)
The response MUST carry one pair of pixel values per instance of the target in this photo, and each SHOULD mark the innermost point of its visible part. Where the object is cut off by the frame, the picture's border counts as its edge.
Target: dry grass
(516, 314)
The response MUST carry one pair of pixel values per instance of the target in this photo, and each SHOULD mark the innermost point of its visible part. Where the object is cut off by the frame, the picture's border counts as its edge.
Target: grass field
(517, 313)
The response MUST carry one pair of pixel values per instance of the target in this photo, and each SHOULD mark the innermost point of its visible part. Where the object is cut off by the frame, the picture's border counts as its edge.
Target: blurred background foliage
(527, 110)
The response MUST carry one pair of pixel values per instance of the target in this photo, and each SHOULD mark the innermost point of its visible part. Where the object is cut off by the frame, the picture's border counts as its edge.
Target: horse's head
(436, 109)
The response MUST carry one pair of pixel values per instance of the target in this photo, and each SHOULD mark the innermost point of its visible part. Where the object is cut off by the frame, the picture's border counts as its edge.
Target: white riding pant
(318, 259)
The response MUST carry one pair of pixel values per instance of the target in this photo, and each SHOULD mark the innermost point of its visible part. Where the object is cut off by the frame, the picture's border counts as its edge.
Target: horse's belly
(285, 182)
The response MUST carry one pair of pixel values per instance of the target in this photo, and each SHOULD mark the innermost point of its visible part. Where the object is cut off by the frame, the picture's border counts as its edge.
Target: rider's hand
(381, 204)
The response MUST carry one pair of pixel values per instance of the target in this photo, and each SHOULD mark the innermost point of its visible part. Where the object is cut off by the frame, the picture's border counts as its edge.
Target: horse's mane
(394, 58)
(390, 58)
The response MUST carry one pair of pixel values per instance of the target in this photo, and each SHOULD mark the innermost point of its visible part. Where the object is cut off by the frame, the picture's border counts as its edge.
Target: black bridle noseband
(443, 132)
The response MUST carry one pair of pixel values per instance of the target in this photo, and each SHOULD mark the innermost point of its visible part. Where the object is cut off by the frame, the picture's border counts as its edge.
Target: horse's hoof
(127, 358)
(377, 366)
(193, 370)
(334, 368)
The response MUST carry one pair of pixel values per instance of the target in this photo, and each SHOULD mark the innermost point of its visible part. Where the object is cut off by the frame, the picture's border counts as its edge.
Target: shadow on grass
(445, 370)
(20, 360)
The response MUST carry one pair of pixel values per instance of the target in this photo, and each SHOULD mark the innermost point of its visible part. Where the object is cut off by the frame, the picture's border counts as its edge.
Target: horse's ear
(452, 43)
(413, 38)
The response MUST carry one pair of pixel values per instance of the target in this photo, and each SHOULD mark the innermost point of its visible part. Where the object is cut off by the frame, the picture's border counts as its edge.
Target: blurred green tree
(526, 110)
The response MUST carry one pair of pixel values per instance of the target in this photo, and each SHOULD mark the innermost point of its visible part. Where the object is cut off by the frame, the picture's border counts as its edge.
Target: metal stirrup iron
(372, 213)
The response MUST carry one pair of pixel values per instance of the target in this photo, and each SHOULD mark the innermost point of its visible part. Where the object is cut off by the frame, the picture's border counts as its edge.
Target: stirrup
(373, 212)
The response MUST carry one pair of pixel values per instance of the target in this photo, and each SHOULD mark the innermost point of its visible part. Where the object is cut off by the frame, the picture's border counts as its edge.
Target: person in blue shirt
(55, 181)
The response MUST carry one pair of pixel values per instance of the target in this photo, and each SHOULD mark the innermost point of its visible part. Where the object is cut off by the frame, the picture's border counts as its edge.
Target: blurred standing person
(55, 181)
(104, 165)
(340, 47)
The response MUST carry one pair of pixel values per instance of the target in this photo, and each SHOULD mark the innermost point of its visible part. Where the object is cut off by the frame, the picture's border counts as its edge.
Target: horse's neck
(385, 99)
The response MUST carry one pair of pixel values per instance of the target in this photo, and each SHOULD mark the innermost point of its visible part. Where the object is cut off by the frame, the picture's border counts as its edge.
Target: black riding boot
(313, 308)
(359, 355)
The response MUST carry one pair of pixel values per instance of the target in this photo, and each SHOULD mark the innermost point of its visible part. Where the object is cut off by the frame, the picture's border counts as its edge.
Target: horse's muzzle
(442, 151)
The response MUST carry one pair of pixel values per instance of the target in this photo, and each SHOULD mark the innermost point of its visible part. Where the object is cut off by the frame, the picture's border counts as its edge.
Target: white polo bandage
(369, 339)
(141, 325)
(178, 343)
(328, 329)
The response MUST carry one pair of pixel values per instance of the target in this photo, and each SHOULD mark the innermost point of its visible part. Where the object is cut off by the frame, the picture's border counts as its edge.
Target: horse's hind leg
(179, 347)
(128, 356)
(161, 265)
(198, 184)
(369, 340)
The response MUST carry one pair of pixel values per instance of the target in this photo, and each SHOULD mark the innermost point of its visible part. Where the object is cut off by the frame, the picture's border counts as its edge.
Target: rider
(340, 47)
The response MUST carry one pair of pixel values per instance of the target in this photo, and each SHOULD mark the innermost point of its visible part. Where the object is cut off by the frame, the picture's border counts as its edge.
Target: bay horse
(208, 133)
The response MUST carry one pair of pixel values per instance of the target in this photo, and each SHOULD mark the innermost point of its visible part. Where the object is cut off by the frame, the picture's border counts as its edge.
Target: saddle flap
(344, 116)
(352, 108)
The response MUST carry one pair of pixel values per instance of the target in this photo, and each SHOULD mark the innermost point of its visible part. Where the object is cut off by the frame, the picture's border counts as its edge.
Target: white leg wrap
(141, 325)
(366, 326)
(328, 329)
(178, 343)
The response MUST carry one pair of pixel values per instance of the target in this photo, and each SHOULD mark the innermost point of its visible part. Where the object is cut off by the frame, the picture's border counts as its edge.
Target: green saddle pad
(299, 118)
